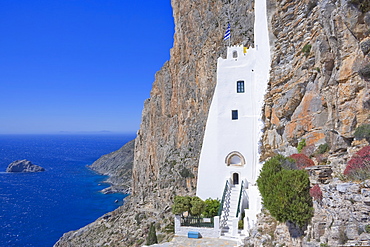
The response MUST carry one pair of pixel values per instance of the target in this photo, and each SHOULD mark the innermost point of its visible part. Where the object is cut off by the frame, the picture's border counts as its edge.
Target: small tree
(182, 204)
(197, 206)
(152, 236)
(212, 207)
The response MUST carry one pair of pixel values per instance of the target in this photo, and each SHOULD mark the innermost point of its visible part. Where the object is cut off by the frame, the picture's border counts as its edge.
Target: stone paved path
(192, 242)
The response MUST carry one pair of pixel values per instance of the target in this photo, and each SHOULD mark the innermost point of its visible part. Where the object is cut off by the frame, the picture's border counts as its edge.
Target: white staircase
(229, 211)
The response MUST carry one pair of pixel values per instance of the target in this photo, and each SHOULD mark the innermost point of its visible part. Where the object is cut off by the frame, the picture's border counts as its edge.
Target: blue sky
(79, 65)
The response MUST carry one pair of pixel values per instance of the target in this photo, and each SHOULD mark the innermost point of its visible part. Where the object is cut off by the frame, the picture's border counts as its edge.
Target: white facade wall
(224, 135)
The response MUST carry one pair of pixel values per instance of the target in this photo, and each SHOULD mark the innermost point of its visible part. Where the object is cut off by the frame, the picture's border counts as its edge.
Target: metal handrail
(223, 198)
(240, 197)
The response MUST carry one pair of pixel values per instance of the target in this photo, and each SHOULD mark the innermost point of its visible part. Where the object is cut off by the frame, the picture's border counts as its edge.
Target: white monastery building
(229, 161)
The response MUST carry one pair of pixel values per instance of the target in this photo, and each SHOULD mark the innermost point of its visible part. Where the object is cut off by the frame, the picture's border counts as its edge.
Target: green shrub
(285, 193)
(194, 205)
(212, 207)
(152, 236)
(306, 49)
(240, 224)
(186, 173)
(363, 132)
(182, 204)
(367, 228)
(197, 206)
(301, 145)
(323, 148)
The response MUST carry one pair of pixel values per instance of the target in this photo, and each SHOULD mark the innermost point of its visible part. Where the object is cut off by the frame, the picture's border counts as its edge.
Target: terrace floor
(180, 241)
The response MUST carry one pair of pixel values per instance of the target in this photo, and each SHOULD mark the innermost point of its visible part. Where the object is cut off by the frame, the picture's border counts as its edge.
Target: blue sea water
(37, 208)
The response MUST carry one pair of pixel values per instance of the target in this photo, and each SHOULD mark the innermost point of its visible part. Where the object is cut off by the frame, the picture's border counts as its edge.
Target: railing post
(240, 196)
(177, 223)
(216, 222)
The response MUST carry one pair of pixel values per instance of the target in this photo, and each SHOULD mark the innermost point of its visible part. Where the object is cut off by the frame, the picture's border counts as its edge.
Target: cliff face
(318, 91)
(169, 141)
(168, 144)
(118, 166)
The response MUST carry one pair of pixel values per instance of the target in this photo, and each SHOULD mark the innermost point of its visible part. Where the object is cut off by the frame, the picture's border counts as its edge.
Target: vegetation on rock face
(316, 193)
(302, 161)
(285, 192)
(306, 49)
(323, 148)
(358, 167)
(152, 236)
(301, 145)
(363, 132)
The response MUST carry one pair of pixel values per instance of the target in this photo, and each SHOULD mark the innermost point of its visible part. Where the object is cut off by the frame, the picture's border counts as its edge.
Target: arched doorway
(235, 178)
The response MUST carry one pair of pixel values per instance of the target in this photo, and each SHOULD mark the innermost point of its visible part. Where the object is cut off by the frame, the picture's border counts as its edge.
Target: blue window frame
(240, 86)
(234, 114)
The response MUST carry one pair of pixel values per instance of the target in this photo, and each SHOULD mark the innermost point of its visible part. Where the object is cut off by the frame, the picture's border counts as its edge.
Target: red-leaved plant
(358, 167)
(302, 161)
(316, 193)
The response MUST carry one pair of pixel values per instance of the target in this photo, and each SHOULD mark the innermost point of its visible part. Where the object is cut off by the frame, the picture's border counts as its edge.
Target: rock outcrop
(318, 87)
(118, 166)
(23, 166)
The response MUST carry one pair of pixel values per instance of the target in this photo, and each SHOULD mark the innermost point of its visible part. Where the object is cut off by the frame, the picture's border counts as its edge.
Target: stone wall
(214, 232)
(341, 219)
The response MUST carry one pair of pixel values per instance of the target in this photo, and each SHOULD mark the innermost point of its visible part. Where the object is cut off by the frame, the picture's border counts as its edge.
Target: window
(235, 54)
(234, 114)
(240, 86)
(235, 159)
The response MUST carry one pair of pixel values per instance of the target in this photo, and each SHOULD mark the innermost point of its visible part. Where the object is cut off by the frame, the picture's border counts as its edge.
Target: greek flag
(227, 33)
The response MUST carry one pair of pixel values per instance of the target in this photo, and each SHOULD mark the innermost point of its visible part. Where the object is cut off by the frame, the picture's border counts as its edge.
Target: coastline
(118, 167)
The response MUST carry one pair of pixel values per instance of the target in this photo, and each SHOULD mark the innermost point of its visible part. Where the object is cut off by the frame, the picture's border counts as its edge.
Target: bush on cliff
(301, 145)
(302, 161)
(358, 167)
(152, 235)
(316, 193)
(363, 132)
(285, 192)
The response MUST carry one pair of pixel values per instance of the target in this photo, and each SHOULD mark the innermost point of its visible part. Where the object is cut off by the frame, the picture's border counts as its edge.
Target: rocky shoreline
(118, 166)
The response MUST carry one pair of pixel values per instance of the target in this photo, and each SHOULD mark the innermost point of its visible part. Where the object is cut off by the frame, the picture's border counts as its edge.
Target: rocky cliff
(118, 166)
(318, 91)
(319, 87)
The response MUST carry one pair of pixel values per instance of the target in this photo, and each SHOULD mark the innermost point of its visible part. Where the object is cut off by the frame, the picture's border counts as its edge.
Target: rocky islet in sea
(23, 166)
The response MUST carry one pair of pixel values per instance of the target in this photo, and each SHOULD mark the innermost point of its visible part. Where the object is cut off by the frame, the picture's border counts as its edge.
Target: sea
(37, 208)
